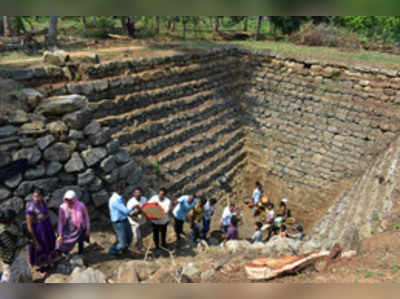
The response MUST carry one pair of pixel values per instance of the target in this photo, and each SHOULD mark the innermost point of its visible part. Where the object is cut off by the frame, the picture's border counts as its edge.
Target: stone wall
(315, 127)
(72, 152)
(307, 129)
(174, 114)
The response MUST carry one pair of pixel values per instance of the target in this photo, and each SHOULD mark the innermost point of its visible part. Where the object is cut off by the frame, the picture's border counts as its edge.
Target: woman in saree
(73, 224)
(42, 251)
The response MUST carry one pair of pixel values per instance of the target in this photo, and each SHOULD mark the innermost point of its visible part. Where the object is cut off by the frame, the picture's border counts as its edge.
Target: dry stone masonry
(308, 125)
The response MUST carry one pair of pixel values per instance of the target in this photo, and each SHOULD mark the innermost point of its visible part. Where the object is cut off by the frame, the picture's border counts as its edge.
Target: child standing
(232, 231)
(257, 236)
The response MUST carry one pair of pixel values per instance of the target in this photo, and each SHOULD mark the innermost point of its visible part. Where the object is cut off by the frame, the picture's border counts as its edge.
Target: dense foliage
(385, 28)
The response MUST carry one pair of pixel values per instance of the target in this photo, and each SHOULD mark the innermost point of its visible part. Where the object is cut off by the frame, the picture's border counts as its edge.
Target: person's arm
(60, 224)
(87, 219)
(122, 208)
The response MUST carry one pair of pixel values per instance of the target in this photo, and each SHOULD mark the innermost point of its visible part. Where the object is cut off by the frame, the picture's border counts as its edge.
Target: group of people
(127, 219)
(271, 221)
(46, 246)
(268, 221)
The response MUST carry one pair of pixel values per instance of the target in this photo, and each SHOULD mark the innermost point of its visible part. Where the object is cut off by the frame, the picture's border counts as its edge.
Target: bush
(326, 36)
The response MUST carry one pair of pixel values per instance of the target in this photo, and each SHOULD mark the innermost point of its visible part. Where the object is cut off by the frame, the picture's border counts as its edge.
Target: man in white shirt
(160, 226)
(209, 210)
(137, 219)
(227, 215)
(256, 197)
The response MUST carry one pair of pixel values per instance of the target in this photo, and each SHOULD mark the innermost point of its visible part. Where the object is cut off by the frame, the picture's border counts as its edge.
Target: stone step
(152, 132)
(185, 180)
(210, 178)
(230, 176)
(186, 162)
(162, 77)
(111, 107)
(133, 116)
(166, 139)
(199, 141)
(166, 120)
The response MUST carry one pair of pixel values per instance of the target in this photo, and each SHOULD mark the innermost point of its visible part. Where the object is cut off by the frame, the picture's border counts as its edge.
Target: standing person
(196, 217)
(119, 217)
(42, 251)
(137, 219)
(226, 216)
(257, 236)
(160, 226)
(282, 231)
(9, 239)
(283, 210)
(73, 224)
(232, 233)
(208, 212)
(269, 220)
(184, 205)
(257, 193)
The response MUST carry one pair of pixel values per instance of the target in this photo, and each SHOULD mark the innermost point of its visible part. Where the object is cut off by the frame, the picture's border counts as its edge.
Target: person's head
(38, 194)
(234, 221)
(213, 201)
(202, 201)
(137, 193)
(270, 205)
(192, 197)
(7, 216)
(70, 198)
(258, 225)
(232, 207)
(258, 185)
(299, 229)
(283, 202)
(283, 228)
(120, 188)
(162, 193)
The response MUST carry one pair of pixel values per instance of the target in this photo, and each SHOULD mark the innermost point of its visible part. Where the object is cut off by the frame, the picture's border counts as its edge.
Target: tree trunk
(259, 23)
(131, 26)
(7, 26)
(216, 26)
(157, 24)
(175, 19)
(169, 23)
(184, 21)
(20, 27)
(123, 24)
(84, 21)
(246, 24)
(52, 35)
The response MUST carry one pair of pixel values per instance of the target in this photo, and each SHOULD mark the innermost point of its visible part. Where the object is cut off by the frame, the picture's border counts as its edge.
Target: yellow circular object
(290, 220)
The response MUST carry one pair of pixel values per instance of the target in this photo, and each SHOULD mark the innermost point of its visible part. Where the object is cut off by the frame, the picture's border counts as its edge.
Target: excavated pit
(306, 129)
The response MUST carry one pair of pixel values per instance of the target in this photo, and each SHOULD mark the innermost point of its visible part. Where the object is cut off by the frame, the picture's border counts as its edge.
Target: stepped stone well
(307, 129)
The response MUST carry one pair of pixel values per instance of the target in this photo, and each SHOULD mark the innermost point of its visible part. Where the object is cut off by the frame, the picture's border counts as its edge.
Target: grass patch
(156, 168)
(325, 53)
(395, 269)
(369, 274)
